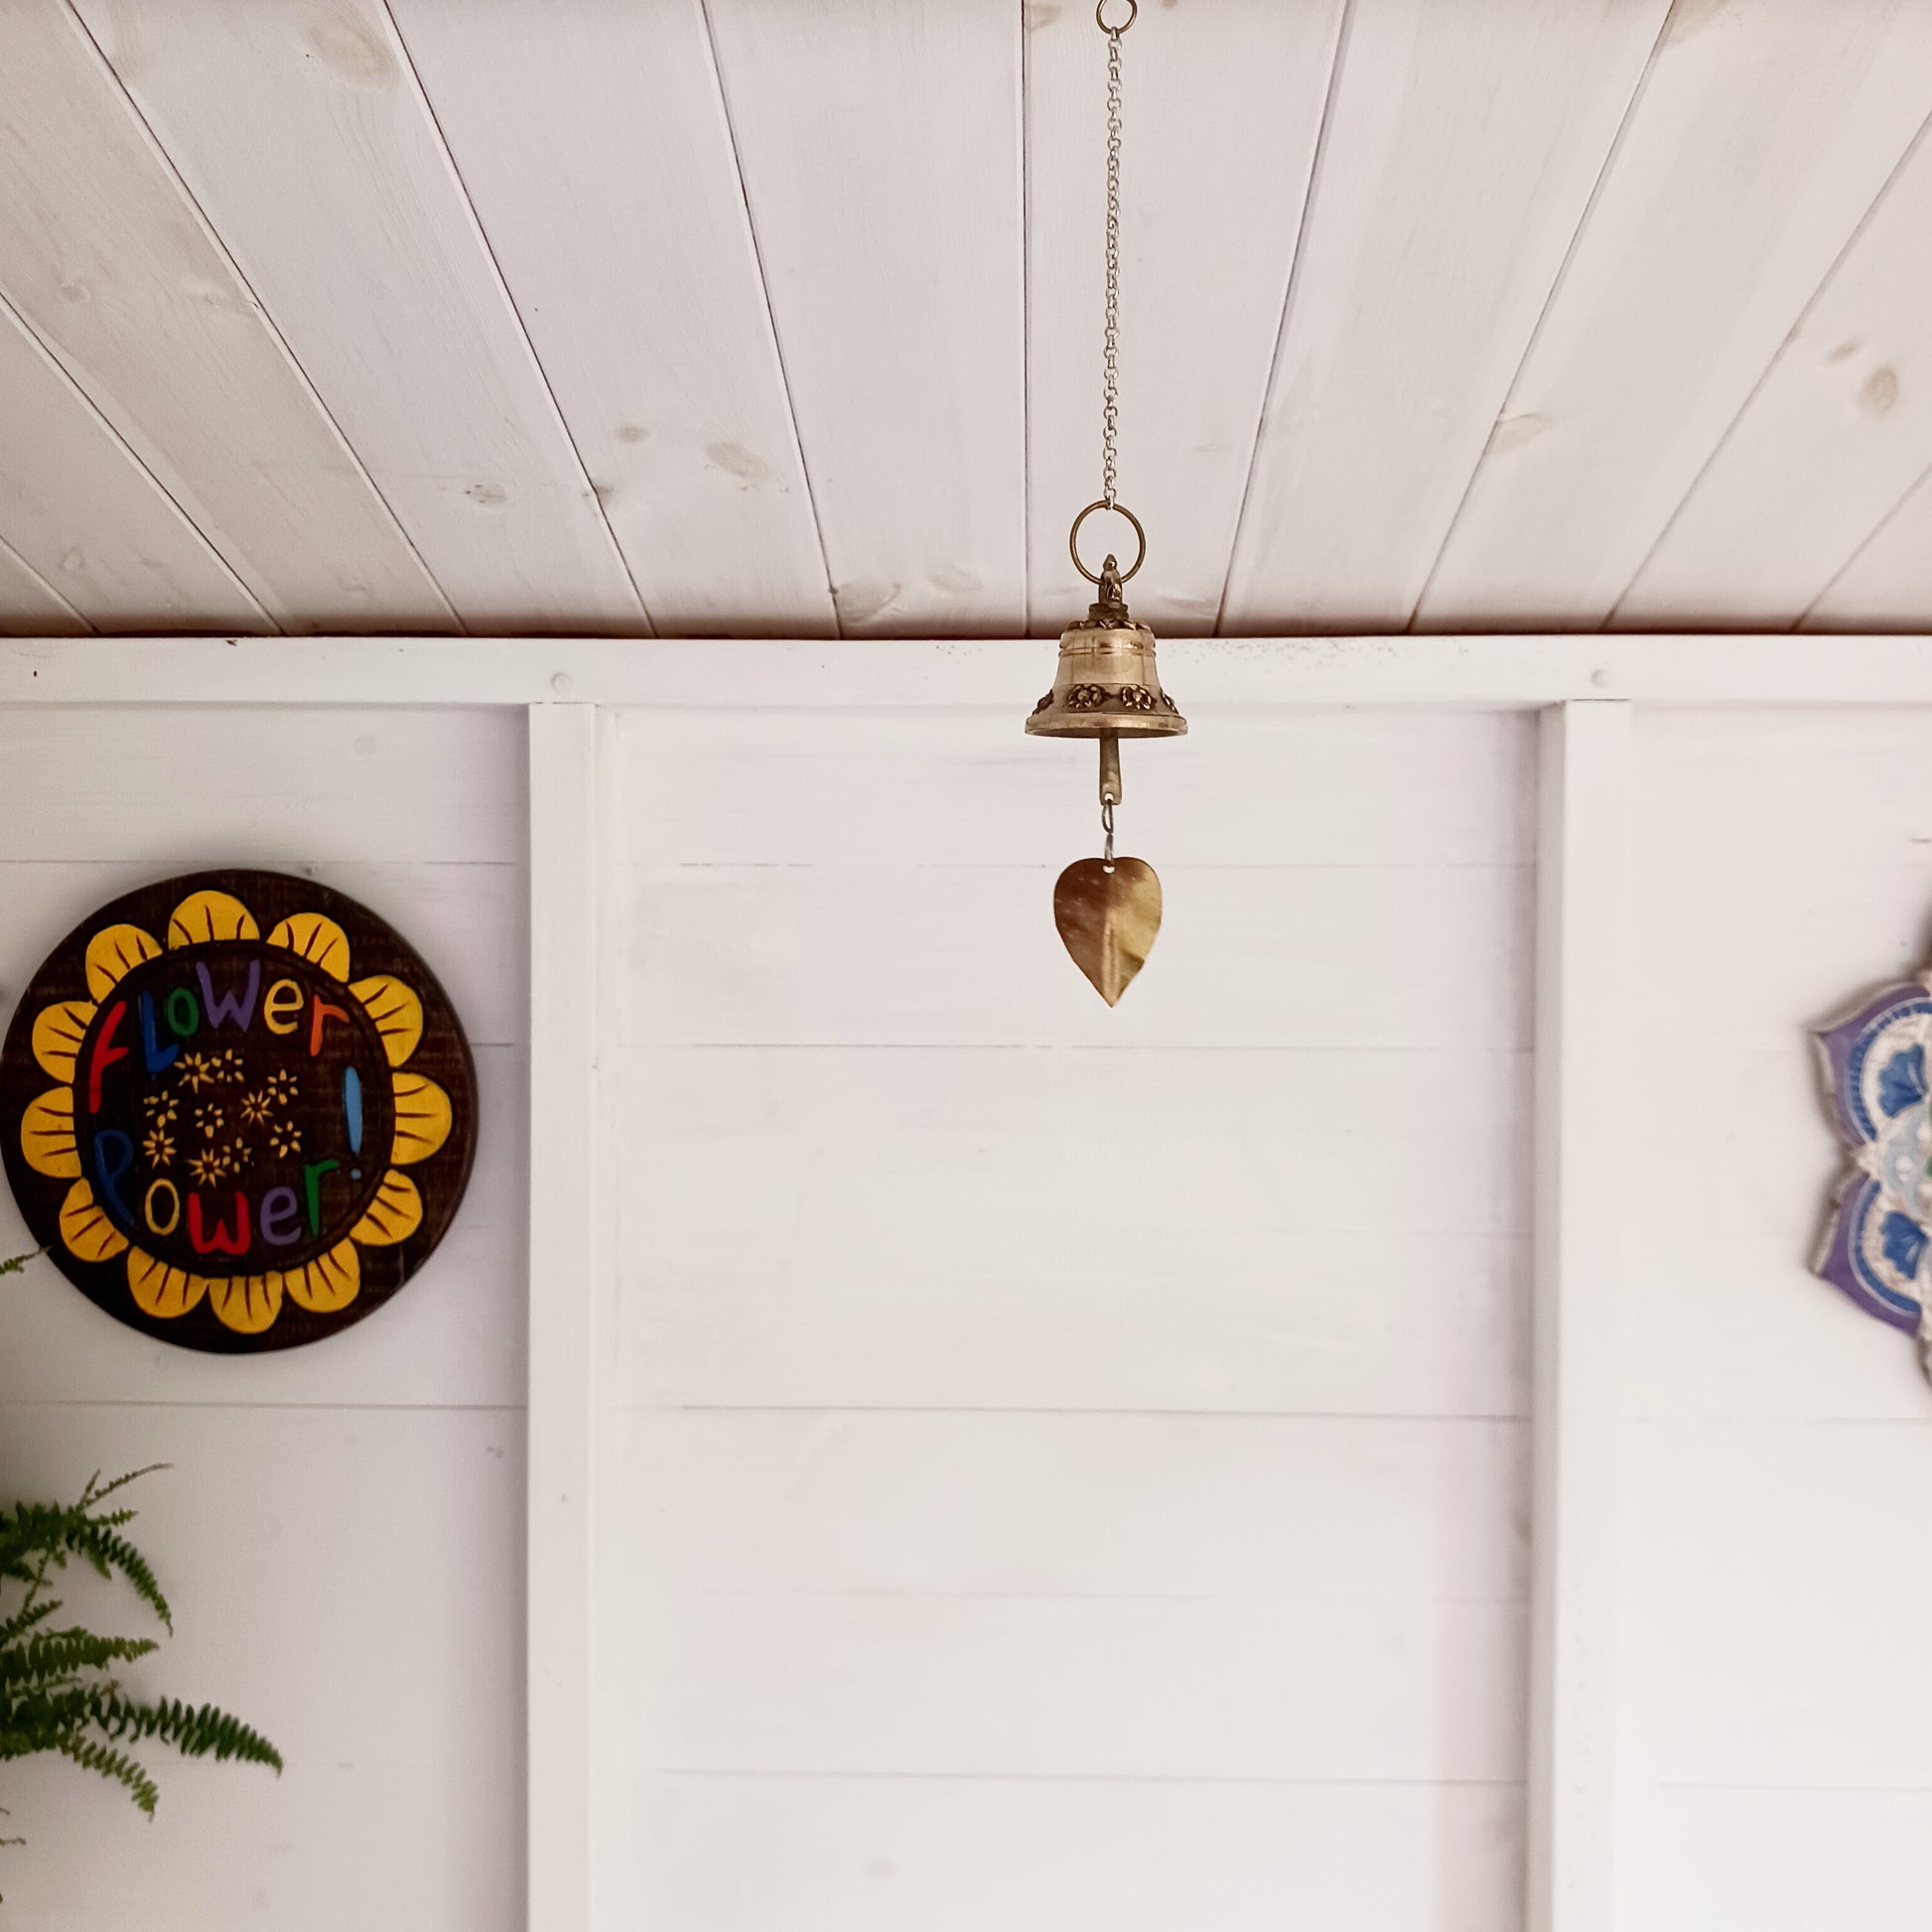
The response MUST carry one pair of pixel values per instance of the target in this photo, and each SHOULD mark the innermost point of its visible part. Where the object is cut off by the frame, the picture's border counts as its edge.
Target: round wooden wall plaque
(237, 1110)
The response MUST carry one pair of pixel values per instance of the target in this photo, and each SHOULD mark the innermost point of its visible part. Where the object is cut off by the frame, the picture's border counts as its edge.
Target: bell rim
(1130, 724)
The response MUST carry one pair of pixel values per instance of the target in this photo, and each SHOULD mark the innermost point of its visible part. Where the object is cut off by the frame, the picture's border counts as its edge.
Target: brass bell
(1106, 684)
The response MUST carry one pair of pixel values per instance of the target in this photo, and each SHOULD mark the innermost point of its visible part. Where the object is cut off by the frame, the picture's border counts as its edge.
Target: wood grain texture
(955, 785)
(1763, 135)
(111, 263)
(875, 1854)
(29, 606)
(285, 789)
(896, 288)
(1832, 440)
(1882, 586)
(646, 304)
(301, 134)
(1460, 148)
(997, 1412)
(93, 525)
(1779, 1437)
(1221, 107)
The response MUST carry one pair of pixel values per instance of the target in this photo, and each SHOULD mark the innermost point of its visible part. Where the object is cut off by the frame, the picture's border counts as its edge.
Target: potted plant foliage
(57, 1690)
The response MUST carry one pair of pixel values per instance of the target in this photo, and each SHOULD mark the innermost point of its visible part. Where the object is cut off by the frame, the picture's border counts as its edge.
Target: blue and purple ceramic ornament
(1877, 1241)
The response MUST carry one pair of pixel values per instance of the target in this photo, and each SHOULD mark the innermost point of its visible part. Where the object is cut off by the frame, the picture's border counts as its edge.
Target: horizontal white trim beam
(1511, 672)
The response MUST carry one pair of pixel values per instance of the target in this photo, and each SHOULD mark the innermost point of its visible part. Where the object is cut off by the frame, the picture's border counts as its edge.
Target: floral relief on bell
(1107, 684)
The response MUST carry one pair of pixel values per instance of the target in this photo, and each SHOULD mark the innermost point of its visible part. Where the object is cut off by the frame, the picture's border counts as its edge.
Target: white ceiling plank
(1220, 114)
(302, 133)
(106, 257)
(879, 145)
(1461, 147)
(1763, 134)
(1888, 584)
(29, 608)
(645, 305)
(89, 519)
(1839, 431)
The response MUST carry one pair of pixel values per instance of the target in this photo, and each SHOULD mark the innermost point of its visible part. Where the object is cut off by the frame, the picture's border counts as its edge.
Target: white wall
(1778, 1445)
(1057, 1467)
(1066, 1467)
(342, 1529)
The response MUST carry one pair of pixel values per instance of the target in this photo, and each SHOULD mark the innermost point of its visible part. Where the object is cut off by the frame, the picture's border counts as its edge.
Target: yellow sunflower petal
(397, 1013)
(86, 1228)
(319, 940)
(158, 1289)
(47, 1135)
(394, 1215)
(113, 952)
(329, 1283)
(247, 1304)
(211, 916)
(58, 1030)
(422, 1118)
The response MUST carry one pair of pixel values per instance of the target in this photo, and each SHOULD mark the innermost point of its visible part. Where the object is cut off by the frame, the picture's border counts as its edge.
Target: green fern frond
(116, 1766)
(55, 1689)
(26, 1618)
(98, 1490)
(108, 1549)
(15, 1263)
(56, 1655)
(194, 1733)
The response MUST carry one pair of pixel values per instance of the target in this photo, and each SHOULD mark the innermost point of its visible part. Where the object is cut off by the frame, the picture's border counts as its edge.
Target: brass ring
(1073, 538)
(1114, 33)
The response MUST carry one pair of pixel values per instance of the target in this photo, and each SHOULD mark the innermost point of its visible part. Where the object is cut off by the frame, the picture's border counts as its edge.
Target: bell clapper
(1110, 793)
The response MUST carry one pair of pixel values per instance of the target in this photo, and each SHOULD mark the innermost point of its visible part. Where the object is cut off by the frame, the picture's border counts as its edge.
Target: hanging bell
(1106, 684)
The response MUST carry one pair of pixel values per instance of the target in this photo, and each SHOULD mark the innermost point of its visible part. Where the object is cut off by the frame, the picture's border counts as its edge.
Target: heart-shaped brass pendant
(1109, 917)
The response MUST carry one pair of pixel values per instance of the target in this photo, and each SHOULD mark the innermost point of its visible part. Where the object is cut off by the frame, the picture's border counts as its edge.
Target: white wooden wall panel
(347, 1579)
(307, 142)
(646, 305)
(1221, 107)
(1836, 436)
(107, 258)
(888, 227)
(1460, 148)
(342, 1529)
(89, 520)
(1763, 135)
(1779, 1437)
(1141, 1855)
(994, 1526)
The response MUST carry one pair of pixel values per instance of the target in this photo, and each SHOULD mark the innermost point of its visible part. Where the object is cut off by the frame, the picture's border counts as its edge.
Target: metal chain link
(1110, 358)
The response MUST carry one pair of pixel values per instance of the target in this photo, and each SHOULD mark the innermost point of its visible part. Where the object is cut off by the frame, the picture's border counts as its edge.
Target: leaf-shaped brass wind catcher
(1108, 916)
(1106, 685)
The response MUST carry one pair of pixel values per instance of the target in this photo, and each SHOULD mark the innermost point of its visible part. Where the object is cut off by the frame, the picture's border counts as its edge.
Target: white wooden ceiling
(783, 316)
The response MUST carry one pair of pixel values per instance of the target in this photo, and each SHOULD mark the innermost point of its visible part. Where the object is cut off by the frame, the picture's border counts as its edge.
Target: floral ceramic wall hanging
(237, 1109)
(1877, 1239)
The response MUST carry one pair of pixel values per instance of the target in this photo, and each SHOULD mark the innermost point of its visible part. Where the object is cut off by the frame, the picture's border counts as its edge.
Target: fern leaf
(96, 1490)
(108, 1549)
(116, 1766)
(26, 1618)
(59, 1654)
(203, 1731)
